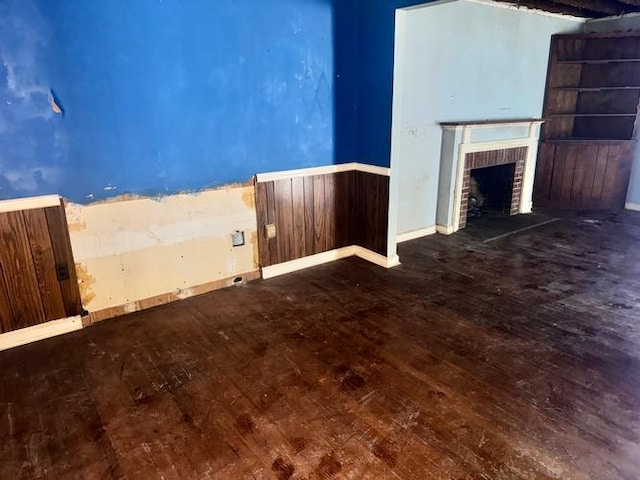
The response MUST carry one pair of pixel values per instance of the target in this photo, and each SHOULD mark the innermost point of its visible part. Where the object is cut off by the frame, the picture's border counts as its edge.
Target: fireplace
(495, 177)
(485, 162)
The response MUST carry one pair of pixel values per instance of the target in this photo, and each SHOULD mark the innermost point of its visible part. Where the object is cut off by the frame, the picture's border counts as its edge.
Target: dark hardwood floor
(518, 358)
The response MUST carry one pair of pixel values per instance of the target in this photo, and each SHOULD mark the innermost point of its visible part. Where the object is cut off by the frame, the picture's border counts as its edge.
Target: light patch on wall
(140, 248)
(22, 35)
(28, 179)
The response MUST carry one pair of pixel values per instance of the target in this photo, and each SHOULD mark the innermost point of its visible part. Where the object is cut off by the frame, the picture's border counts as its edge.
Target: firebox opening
(490, 190)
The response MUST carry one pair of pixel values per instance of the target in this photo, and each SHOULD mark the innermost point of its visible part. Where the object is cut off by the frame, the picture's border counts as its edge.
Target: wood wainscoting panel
(19, 274)
(371, 206)
(583, 175)
(44, 263)
(61, 243)
(321, 212)
(37, 274)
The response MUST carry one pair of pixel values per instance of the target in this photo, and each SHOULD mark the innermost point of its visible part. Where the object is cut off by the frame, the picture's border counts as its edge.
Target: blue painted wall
(161, 96)
(376, 35)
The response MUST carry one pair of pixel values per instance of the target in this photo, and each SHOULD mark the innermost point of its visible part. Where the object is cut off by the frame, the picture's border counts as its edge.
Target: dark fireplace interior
(490, 190)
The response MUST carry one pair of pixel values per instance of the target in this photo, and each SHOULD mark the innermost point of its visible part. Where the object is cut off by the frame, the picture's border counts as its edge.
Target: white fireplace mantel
(462, 138)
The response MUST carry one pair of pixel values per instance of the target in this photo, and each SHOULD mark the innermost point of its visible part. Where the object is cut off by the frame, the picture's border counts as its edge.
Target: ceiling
(581, 8)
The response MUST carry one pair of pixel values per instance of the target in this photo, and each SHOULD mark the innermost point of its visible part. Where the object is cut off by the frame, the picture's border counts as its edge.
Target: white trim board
(305, 172)
(29, 203)
(413, 234)
(373, 257)
(632, 206)
(445, 229)
(326, 257)
(40, 332)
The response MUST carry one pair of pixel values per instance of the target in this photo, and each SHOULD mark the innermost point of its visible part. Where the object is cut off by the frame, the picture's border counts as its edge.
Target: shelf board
(596, 89)
(599, 61)
(587, 140)
(560, 115)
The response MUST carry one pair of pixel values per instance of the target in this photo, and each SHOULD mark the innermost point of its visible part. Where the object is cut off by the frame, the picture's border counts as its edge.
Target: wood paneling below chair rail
(590, 175)
(318, 213)
(37, 273)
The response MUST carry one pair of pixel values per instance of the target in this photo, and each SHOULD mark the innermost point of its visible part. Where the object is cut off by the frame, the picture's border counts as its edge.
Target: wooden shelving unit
(590, 110)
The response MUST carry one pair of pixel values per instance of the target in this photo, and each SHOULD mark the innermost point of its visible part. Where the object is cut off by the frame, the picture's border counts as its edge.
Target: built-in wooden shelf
(559, 115)
(596, 89)
(596, 141)
(591, 102)
(599, 61)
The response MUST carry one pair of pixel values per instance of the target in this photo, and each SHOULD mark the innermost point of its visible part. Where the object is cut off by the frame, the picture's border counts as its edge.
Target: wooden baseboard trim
(373, 257)
(330, 256)
(445, 229)
(632, 206)
(39, 332)
(306, 262)
(181, 294)
(413, 234)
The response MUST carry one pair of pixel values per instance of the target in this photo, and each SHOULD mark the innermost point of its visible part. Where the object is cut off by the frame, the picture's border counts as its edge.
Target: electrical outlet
(237, 238)
(62, 272)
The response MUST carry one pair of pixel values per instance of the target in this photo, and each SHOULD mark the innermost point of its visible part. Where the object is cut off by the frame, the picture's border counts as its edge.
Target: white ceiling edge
(613, 17)
(507, 6)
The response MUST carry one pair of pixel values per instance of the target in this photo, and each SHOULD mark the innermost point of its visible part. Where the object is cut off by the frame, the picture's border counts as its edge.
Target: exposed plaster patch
(256, 250)
(142, 248)
(249, 198)
(85, 283)
(77, 227)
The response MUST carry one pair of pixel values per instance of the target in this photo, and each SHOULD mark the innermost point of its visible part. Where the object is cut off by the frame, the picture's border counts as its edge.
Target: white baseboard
(306, 262)
(330, 256)
(413, 234)
(373, 257)
(632, 206)
(445, 229)
(39, 332)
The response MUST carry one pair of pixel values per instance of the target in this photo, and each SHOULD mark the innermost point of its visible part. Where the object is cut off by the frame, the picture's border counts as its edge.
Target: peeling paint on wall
(135, 249)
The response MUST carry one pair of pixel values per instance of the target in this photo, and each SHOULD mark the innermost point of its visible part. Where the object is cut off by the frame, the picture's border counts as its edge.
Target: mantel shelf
(492, 123)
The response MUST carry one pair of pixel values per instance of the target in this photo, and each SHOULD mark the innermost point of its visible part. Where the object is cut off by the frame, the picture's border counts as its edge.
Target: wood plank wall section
(583, 175)
(591, 108)
(371, 211)
(35, 254)
(318, 213)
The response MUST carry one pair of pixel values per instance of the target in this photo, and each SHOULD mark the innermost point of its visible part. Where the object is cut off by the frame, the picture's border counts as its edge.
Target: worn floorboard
(514, 359)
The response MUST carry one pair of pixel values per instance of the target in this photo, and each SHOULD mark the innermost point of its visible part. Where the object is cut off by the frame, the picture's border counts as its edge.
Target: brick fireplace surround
(493, 158)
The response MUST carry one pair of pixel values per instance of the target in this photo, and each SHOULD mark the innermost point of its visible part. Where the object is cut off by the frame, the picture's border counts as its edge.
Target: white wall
(461, 60)
(622, 24)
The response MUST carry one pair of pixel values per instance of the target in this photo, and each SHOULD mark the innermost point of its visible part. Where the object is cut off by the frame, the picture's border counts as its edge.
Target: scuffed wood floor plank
(514, 359)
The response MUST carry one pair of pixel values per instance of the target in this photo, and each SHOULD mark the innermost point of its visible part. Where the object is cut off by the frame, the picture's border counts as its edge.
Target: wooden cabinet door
(583, 175)
(37, 274)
